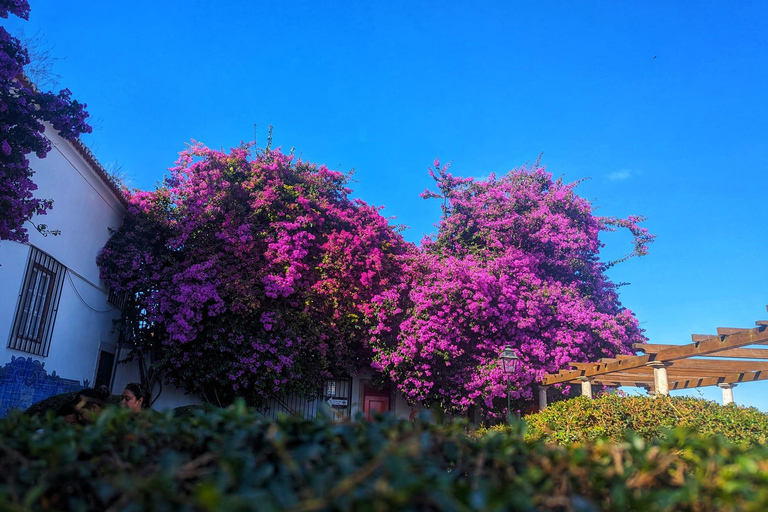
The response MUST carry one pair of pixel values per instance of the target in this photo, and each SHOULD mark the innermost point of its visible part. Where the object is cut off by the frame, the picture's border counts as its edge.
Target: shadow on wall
(24, 381)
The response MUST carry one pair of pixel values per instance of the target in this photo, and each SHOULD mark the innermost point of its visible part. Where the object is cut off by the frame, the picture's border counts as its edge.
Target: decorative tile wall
(25, 381)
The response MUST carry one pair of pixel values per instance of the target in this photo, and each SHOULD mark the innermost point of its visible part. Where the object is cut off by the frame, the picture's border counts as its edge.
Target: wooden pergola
(725, 359)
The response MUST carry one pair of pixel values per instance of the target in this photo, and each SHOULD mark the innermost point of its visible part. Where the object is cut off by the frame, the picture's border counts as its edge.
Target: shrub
(515, 261)
(187, 411)
(53, 403)
(610, 416)
(250, 274)
(231, 459)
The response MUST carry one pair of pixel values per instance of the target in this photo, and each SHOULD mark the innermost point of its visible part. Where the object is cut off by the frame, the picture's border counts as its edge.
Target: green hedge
(610, 416)
(232, 459)
(53, 403)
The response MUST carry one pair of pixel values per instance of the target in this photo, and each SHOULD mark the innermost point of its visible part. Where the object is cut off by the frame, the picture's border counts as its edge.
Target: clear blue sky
(663, 105)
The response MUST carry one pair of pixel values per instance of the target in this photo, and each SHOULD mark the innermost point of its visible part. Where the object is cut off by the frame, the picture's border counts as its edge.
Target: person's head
(89, 402)
(135, 397)
(68, 412)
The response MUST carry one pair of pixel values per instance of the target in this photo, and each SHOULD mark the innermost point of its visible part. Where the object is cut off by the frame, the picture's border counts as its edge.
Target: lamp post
(510, 365)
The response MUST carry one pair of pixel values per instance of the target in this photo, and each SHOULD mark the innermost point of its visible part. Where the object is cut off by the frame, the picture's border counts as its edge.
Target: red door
(379, 404)
(375, 400)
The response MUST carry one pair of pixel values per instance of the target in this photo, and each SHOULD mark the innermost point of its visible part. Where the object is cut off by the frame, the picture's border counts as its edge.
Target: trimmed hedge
(610, 416)
(187, 411)
(232, 459)
(53, 403)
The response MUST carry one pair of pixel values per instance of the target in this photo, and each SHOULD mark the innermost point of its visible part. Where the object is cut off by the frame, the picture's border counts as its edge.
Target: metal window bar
(339, 389)
(38, 304)
(39, 301)
(292, 405)
(117, 299)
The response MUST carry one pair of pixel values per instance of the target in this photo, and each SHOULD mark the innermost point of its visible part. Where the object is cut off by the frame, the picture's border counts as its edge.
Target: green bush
(232, 459)
(53, 403)
(186, 411)
(610, 416)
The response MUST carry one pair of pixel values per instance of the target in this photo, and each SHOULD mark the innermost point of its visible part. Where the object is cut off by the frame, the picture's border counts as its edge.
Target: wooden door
(375, 404)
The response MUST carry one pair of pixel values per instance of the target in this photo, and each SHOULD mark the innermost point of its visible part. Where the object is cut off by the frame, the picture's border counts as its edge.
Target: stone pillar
(727, 392)
(543, 397)
(661, 384)
(586, 387)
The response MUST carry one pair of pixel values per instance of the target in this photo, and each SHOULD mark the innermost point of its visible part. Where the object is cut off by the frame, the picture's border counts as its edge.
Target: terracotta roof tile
(85, 152)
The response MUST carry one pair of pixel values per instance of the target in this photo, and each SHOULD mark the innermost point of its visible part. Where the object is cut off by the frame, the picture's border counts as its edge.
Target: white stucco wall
(170, 397)
(13, 261)
(84, 210)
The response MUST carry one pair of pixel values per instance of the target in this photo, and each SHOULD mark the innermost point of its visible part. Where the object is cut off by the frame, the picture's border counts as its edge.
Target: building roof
(86, 154)
(89, 157)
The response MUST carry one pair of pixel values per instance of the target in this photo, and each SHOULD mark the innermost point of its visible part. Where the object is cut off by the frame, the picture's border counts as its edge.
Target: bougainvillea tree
(515, 262)
(23, 109)
(250, 274)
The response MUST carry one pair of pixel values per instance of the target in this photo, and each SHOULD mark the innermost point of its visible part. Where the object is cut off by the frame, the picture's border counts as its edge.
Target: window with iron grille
(38, 304)
(117, 299)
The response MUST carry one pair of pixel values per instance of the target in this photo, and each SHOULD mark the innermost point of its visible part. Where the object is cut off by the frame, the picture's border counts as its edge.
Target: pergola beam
(737, 339)
(734, 378)
(720, 366)
(734, 353)
(713, 365)
(679, 384)
(725, 331)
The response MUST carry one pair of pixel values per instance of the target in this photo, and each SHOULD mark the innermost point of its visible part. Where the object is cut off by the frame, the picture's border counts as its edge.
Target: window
(38, 304)
(117, 299)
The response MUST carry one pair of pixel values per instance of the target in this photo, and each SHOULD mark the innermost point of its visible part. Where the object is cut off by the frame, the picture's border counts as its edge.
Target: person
(88, 403)
(135, 397)
(68, 412)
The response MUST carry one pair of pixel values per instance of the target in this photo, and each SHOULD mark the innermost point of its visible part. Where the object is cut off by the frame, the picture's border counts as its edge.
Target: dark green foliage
(610, 416)
(233, 460)
(52, 403)
(186, 411)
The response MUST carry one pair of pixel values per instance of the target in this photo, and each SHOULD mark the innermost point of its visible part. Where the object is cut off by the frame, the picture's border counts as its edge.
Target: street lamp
(510, 364)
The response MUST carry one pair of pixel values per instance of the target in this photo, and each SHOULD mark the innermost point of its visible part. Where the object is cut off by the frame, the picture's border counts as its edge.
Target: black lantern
(510, 360)
(510, 364)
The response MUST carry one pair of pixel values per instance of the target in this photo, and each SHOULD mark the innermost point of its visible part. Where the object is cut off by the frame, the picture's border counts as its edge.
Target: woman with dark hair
(135, 397)
(89, 402)
(68, 412)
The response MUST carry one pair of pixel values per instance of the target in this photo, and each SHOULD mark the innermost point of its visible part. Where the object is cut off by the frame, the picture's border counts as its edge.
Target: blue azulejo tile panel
(25, 381)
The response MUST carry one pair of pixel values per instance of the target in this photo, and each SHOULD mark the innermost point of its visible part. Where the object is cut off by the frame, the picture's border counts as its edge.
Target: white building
(55, 314)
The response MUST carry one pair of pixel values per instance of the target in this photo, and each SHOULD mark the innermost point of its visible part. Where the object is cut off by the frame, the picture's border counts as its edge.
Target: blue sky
(662, 105)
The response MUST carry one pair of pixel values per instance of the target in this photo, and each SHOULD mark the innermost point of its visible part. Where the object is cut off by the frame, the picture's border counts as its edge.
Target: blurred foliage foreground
(232, 459)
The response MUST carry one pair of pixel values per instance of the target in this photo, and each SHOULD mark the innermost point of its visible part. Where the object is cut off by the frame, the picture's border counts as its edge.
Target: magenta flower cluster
(23, 110)
(515, 262)
(252, 274)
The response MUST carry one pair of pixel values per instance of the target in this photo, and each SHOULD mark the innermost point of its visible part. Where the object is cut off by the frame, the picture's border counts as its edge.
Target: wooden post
(727, 392)
(586, 387)
(661, 384)
(543, 397)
